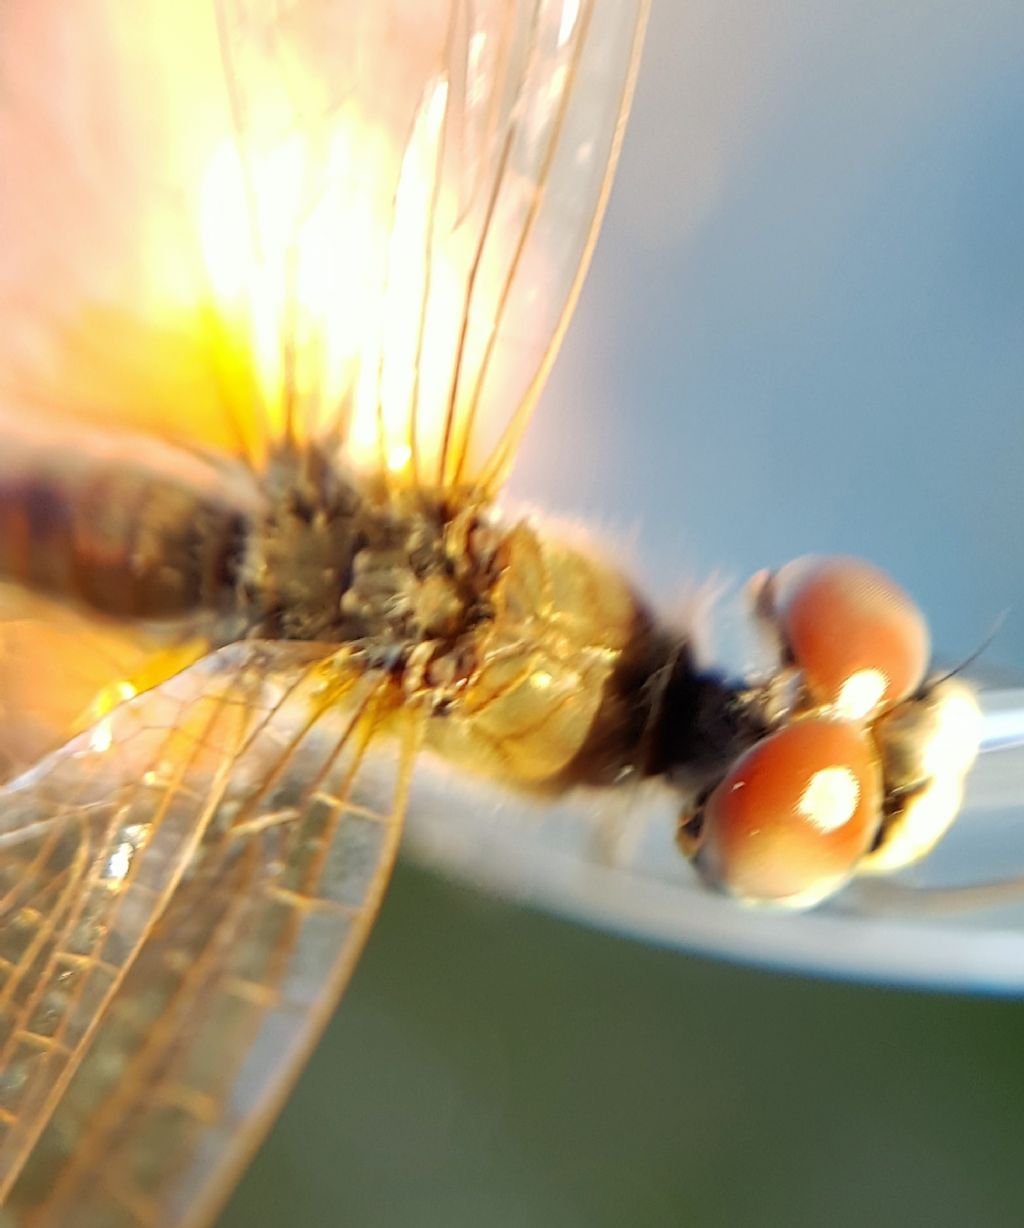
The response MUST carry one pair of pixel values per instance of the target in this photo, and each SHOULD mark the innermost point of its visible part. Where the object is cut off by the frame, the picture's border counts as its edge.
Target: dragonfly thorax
(331, 558)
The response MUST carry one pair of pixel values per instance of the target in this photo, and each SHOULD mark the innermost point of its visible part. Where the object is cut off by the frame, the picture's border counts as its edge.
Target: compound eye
(859, 640)
(790, 821)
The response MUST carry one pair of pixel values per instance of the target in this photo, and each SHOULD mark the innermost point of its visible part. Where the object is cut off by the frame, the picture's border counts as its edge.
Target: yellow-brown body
(535, 663)
(543, 664)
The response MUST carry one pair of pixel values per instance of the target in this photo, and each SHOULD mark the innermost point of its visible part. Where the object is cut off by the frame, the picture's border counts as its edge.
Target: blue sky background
(804, 325)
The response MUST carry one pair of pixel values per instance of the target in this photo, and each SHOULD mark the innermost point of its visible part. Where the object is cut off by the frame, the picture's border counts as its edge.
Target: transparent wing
(185, 889)
(108, 120)
(235, 222)
(510, 148)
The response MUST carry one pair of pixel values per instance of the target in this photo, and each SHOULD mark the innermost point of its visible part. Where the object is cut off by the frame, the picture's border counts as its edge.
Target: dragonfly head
(862, 765)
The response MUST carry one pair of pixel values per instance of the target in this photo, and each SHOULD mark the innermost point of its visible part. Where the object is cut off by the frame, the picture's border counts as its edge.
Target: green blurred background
(804, 330)
(494, 1067)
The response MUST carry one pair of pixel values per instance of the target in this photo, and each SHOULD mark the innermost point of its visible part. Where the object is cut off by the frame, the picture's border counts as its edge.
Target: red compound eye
(858, 638)
(794, 815)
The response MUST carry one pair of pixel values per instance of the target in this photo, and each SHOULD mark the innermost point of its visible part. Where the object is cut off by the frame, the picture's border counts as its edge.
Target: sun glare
(342, 276)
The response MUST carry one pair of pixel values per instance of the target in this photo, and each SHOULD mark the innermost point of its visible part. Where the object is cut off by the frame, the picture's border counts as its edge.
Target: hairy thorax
(509, 640)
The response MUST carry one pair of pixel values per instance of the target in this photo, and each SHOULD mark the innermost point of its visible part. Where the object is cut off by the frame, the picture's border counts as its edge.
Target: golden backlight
(346, 259)
(280, 284)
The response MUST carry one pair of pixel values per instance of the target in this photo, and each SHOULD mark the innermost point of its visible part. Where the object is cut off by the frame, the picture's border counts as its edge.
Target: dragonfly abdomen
(118, 541)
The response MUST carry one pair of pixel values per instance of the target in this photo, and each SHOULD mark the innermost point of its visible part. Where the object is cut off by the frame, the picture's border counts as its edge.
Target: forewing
(407, 207)
(230, 223)
(506, 166)
(109, 118)
(94, 838)
(186, 888)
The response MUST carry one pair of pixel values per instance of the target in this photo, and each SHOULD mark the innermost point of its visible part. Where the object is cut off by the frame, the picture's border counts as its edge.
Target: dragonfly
(285, 282)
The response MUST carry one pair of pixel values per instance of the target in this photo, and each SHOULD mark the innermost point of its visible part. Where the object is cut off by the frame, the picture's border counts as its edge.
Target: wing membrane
(503, 181)
(94, 839)
(108, 120)
(239, 222)
(272, 847)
